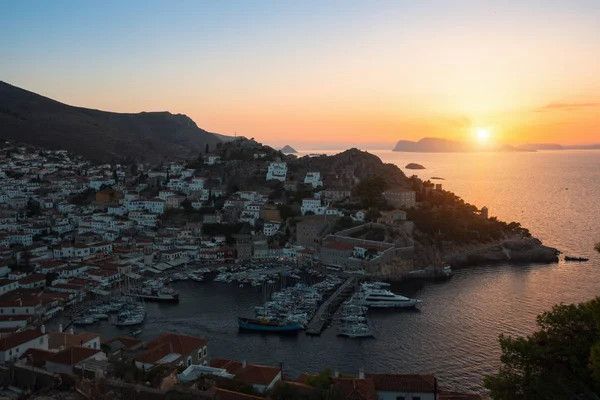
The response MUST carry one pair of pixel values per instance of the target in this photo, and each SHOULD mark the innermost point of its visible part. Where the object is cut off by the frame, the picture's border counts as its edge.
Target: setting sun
(482, 135)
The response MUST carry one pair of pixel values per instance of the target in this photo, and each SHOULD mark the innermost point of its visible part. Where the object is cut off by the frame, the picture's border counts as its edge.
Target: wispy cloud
(567, 106)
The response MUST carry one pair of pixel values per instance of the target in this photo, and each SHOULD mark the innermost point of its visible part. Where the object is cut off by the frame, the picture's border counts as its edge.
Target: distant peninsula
(414, 166)
(287, 149)
(439, 145)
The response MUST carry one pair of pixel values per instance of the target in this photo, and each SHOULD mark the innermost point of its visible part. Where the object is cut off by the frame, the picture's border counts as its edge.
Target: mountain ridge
(31, 118)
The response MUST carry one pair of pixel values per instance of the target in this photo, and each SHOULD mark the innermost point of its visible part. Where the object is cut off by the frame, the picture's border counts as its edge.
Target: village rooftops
(356, 388)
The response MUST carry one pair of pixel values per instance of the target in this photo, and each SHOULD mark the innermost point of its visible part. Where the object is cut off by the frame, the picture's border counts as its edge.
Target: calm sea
(454, 333)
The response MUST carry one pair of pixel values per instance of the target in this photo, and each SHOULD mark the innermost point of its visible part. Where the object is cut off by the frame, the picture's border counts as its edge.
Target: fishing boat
(136, 332)
(579, 259)
(355, 330)
(268, 325)
(164, 294)
(84, 321)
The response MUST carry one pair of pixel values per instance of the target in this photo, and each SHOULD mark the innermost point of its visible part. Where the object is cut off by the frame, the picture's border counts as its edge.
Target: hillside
(98, 135)
(540, 146)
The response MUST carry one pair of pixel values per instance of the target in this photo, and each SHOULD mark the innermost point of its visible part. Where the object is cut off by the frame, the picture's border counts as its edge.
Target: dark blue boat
(266, 325)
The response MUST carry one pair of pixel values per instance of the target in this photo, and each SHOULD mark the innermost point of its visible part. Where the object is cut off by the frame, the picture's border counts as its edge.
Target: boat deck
(328, 308)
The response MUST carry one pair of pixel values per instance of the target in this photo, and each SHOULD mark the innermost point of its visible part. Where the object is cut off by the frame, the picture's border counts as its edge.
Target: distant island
(414, 166)
(439, 145)
(287, 149)
(540, 146)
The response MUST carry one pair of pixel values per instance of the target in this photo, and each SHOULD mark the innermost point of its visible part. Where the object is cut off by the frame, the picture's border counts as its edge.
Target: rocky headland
(510, 251)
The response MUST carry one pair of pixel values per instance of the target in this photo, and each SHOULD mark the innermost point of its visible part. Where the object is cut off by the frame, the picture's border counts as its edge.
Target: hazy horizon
(322, 74)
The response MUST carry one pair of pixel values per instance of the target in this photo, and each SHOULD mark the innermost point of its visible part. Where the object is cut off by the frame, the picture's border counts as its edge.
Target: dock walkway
(328, 308)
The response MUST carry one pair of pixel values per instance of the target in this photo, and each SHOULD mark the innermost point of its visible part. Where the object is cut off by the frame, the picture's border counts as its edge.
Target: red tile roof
(36, 357)
(257, 374)
(32, 278)
(17, 339)
(403, 383)
(356, 389)
(73, 355)
(251, 373)
(58, 339)
(222, 394)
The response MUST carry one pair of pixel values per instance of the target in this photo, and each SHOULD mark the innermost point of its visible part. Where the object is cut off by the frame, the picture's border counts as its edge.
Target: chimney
(60, 328)
(361, 373)
(43, 329)
(71, 331)
(336, 374)
(244, 364)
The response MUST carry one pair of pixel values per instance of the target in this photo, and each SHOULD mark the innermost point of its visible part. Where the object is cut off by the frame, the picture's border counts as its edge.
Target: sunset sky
(321, 74)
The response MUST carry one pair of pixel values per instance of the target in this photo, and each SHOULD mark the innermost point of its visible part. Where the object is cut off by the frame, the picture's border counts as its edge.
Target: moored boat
(268, 325)
(164, 295)
(579, 259)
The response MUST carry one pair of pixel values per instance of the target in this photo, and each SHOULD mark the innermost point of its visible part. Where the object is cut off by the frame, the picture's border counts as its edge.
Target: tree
(206, 149)
(33, 208)
(133, 169)
(187, 206)
(372, 214)
(50, 277)
(115, 176)
(558, 361)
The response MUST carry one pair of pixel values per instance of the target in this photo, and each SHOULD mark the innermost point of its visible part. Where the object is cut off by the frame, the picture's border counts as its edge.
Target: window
(13, 310)
(189, 361)
(42, 340)
(27, 311)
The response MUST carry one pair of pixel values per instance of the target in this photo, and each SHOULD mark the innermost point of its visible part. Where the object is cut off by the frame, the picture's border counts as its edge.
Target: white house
(310, 204)
(211, 159)
(313, 179)
(277, 170)
(271, 228)
(14, 345)
(7, 285)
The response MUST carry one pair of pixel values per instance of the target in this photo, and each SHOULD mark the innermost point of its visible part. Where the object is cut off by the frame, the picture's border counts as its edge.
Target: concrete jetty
(329, 306)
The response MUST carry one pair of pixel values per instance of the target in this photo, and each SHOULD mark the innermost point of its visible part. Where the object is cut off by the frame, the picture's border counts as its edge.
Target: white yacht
(355, 330)
(383, 298)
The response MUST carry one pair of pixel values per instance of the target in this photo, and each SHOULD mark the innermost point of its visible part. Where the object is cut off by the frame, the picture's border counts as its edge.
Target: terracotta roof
(356, 389)
(17, 339)
(127, 342)
(403, 383)
(222, 394)
(304, 376)
(170, 343)
(257, 374)
(36, 357)
(232, 366)
(32, 278)
(73, 355)
(4, 282)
